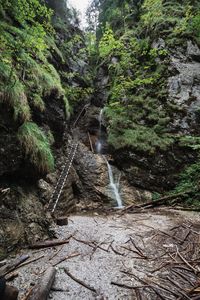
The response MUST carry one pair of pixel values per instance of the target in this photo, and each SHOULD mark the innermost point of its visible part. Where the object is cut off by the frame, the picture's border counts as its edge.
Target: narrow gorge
(99, 149)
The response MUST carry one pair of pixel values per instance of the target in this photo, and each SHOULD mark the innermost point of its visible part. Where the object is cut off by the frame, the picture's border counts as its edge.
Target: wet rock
(93, 174)
(158, 172)
(193, 51)
(45, 190)
(101, 90)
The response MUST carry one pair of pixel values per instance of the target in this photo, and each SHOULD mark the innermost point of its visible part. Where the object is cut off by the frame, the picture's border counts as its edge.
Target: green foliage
(189, 182)
(77, 94)
(190, 141)
(134, 117)
(108, 44)
(12, 93)
(194, 27)
(37, 146)
(153, 13)
(126, 128)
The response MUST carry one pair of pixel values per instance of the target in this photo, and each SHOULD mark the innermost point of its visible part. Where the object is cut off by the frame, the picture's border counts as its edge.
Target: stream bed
(120, 249)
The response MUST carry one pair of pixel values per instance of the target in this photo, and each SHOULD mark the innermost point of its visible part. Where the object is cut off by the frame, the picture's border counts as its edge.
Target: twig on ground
(126, 286)
(66, 258)
(186, 262)
(56, 253)
(79, 281)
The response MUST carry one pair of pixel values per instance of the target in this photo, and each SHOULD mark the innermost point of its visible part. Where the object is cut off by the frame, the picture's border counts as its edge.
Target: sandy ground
(141, 250)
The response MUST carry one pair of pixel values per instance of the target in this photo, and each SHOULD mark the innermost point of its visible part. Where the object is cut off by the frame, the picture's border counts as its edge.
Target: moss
(14, 95)
(36, 146)
(38, 103)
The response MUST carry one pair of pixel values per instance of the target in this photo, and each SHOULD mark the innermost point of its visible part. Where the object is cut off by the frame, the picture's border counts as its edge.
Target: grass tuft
(37, 146)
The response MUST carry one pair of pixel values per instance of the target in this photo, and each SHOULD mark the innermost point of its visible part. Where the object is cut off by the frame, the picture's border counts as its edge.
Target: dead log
(42, 289)
(13, 265)
(47, 244)
(157, 202)
(10, 293)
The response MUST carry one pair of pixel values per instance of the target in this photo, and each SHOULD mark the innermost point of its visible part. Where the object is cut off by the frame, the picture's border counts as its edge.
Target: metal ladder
(62, 179)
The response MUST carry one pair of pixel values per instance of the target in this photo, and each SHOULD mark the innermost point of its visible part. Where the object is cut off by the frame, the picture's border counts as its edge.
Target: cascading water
(114, 186)
(99, 143)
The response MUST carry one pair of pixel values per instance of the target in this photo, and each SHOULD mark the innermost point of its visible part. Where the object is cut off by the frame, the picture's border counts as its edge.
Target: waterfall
(99, 143)
(114, 186)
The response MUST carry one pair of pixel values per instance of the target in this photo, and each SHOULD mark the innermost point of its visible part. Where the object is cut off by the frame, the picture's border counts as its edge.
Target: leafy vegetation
(135, 39)
(37, 146)
(138, 112)
(37, 44)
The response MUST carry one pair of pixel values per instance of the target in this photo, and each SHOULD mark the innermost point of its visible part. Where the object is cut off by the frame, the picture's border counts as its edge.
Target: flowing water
(99, 143)
(114, 185)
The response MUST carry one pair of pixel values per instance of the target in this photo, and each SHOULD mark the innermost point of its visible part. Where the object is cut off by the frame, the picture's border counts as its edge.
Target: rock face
(10, 160)
(184, 88)
(22, 219)
(92, 172)
(159, 172)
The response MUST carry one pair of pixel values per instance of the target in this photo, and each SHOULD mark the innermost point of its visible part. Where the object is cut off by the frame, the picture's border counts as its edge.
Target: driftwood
(47, 244)
(42, 289)
(79, 281)
(157, 202)
(13, 265)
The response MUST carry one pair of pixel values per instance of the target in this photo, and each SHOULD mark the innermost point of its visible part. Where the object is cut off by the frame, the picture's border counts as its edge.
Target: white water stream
(114, 186)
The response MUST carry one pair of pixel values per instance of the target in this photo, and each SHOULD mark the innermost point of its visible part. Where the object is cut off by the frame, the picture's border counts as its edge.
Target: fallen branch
(157, 202)
(66, 257)
(125, 286)
(11, 276)
(42, 289)
(13, 265)
(79, 281)
(178, 287)
(184, 277)
(171, 236)
(84, 242)
(56, 253)
(30, 261)
(134, 251)
(186, 262)
(138, 249)
(47, 244)
(116, 251)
